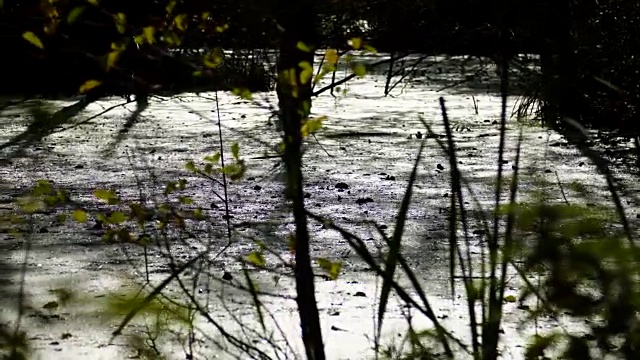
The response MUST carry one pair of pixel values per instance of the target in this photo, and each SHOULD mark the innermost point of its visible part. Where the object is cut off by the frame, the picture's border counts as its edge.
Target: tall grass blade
(358, 245)
(491, 324)
(394, 247)
(257, 304)
(454, 249)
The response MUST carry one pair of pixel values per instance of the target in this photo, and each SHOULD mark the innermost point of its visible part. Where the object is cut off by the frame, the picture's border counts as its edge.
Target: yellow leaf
(356, 43)
(306, 73)
(304, 47)
(171, 6)
(332, 268)
(88, 85)
(331, 56)
(33, 39)
(148, 32)
(103, 194)
(312, 125)
(79, 216)
(256, 258)
(74, 14)
(222, 28)
(112, 58)
(181, 22)
(325, 70)
(93, 2)
(121, 22)
(214, 58)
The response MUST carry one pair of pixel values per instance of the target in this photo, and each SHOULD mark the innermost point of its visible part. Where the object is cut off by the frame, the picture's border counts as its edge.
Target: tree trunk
(557, 63)
(297, 21)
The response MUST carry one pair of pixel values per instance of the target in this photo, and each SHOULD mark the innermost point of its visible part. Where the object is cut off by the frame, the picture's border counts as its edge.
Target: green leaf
(79, 216)
(360, 70)
(43, 187)
(185, 200)
(222, 28)
(50, 200)
(208, 169)
(235, 150)
(510, 299)
(102, 218)
(191, 166)
(30, 205)
(103, 194)
(256, 258)
(120, 20)
(117, 218)
(182, 184)
(243, 93)
(332, 268)
(74, 14)
(109, 236)
(138, 212)
(144, 240)
(356, 43)
(114, 55)
(110, 197)
(170, 6)
(214, 159)
(124, 236)
(33, 39)
(370, 49)
(291, 243)
(170, 188)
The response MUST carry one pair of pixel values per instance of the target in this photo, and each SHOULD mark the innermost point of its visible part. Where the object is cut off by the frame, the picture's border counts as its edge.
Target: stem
(298, 21)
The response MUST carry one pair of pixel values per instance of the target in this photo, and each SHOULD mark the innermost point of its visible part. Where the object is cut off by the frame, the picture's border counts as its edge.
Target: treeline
(584, 45)
(78, 35)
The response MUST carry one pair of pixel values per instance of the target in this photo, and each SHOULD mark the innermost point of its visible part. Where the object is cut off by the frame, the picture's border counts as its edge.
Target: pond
(372, 163)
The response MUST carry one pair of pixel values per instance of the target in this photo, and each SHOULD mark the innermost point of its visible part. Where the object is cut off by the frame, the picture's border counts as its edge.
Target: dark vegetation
(586, 76)
(585, 46)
